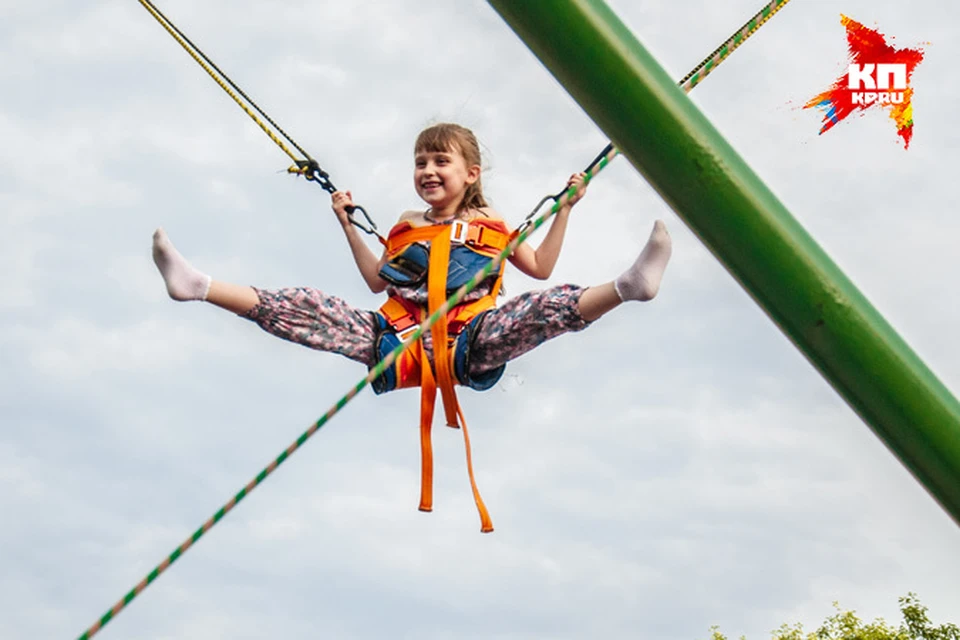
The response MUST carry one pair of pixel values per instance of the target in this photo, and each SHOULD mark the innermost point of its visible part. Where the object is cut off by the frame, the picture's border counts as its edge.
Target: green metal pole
(650, 120)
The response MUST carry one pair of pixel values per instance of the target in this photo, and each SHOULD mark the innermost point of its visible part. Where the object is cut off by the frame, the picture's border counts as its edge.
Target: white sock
(642, 280)
(182, 280)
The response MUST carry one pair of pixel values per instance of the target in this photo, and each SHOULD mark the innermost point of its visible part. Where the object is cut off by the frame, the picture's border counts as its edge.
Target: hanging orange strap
(442, 358)
(436, 296)
(428, 397)
(483, 239)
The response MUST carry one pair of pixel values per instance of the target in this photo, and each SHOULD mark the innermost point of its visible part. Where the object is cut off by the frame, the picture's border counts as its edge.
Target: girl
(447, 177)
(419, 269)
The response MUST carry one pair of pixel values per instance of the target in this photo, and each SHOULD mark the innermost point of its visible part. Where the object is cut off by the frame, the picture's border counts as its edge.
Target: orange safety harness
(487, 238)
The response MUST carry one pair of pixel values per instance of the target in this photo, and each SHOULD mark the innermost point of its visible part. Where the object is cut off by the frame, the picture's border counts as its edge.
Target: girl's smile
(441, 178)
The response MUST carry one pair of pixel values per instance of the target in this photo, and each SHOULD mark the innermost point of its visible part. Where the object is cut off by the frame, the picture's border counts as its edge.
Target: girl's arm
(539, 263)
(367, 261)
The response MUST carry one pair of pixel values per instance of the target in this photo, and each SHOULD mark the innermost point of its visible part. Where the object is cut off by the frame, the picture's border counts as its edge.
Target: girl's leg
(185, 282)
(302, 315)
(525, 322)
(596, 301)
(237, 298)
(640, 282)
(317, 320)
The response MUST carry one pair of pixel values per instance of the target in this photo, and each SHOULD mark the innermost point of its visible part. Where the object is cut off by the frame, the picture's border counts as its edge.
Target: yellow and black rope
(305, 166)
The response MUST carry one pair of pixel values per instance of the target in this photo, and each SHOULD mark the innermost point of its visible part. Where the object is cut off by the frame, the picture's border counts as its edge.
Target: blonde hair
(446, 137)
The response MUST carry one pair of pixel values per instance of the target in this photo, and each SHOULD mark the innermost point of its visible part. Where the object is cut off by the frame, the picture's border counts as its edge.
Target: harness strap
(399, 315)
(478, 236)
(428, 398)
(402, 315)
(486, 524)
(428, 395)
(436, 296)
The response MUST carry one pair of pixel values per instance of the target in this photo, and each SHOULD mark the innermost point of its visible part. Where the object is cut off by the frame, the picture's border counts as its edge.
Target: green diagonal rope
(686, 84)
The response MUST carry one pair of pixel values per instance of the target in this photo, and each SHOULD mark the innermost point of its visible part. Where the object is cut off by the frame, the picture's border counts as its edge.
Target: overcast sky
(677, 465)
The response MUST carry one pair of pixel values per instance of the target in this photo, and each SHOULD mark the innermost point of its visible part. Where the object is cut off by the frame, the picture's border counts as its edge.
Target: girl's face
(441, 178)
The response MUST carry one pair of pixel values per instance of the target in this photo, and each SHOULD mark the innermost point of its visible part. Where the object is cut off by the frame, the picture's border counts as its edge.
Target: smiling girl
(447, 178)
(429, 255)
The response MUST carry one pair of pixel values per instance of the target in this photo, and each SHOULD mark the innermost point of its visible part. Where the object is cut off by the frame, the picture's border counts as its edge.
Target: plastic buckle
(459, 231)
(478, 241)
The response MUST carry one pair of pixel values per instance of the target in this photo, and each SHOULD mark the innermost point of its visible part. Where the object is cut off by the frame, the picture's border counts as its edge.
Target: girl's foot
(183, 281)
(642, 280)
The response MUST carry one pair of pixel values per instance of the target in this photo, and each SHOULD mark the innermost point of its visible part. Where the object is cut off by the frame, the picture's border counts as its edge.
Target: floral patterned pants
(324, 322)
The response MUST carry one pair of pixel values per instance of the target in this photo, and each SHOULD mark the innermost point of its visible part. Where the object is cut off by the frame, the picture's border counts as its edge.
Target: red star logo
(878, 77)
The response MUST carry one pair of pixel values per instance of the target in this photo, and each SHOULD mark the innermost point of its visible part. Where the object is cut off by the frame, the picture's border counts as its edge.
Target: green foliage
(845, 625)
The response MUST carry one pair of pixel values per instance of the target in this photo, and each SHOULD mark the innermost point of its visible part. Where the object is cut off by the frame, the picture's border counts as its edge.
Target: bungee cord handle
(311, 170)
(556, 197)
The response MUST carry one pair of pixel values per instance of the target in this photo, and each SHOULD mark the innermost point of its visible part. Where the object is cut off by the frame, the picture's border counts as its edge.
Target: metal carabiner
(371, 229)
(556, 197)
